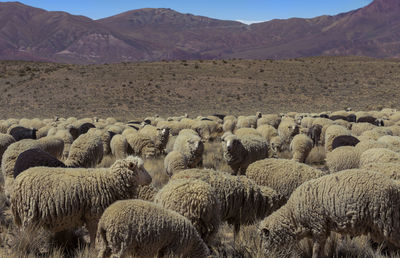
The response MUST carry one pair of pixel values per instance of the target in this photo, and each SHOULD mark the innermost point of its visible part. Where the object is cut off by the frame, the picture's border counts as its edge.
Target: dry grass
(136, 90)
(15, 243)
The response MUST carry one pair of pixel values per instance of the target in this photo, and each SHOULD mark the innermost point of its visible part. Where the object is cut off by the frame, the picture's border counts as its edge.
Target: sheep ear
(265, 231)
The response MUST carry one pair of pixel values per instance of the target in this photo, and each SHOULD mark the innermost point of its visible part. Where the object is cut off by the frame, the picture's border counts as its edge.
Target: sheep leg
(92, 228)
(318, 246)
(118, 252)
(236, 228)
(102, 244)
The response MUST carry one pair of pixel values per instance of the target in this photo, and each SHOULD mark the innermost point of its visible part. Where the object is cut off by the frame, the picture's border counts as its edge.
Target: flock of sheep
(52, 181)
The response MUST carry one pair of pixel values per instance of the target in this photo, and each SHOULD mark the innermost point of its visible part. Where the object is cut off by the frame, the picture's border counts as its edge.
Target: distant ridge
(28, 33)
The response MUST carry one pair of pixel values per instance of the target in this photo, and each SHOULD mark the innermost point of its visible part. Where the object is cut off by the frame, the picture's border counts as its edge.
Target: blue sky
(243, 10)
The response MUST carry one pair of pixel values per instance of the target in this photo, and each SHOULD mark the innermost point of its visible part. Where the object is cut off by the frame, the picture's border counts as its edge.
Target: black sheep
(344, 140)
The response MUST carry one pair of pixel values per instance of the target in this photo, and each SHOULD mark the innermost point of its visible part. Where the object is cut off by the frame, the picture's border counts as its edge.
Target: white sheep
(267, 132)
(391, 170)
(392, 141)
(248, 121)
(370, 144)
(141, 145)
(342, 158)
(395, 130)
(300, 147)
(194, 199)
(246, 130)
(378, 155)
(159, 135)
(229, 125)
(86, 151)
(207, 130)
(353, 202)
(282, 175)
(269, 119)
(240, 152)
(145, 229)
(276, 145)
(52, 145)
(376, 133)
(242, 201)
(190, 145)
(5, 141)
(287, 129)
(358, 128)
(174, 162)
(68, 139)
(146, 193)
(119, 146)
(58, 199)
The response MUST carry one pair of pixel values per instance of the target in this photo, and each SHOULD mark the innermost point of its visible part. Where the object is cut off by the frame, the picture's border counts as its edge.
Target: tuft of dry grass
(155, 167)
(107, 161)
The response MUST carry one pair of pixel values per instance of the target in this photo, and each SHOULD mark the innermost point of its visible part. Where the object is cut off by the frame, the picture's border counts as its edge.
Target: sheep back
(174, 162)
(353, 202)
(331, 133)
(282, 175)
(35, 158)
(86, 151)
(379, 155)
(194, 199)
(119, 146)
(301, 146)
(58, 199)
(147, 230)
(342, 158)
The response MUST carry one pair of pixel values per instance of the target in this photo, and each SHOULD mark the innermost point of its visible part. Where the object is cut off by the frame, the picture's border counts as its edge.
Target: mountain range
(28, 33)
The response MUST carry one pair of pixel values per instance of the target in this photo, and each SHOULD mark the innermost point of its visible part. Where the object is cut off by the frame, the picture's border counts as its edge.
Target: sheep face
(233, 149)
(34, 130)
(276, 144)
(196, 147)
(73, 131)
(274, 235)
(149, 151)
(379, 122)
(163, 134)
(133, 165)
(294, 129)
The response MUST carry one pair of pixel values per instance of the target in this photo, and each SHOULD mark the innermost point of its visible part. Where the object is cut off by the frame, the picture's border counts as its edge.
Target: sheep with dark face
(20, 133)
(240, 152)
(371, 120)
(84, 128)
(315, 134)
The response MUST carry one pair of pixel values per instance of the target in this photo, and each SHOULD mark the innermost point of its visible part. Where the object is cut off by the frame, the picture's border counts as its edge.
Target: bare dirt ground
(135, 90)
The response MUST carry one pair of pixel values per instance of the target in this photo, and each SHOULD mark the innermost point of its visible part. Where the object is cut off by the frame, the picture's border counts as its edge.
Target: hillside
(28, 33)
(136, 90)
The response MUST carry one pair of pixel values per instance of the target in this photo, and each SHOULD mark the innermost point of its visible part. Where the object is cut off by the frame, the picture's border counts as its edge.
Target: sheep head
(276, 231)
(133, 166)
(233, 149)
